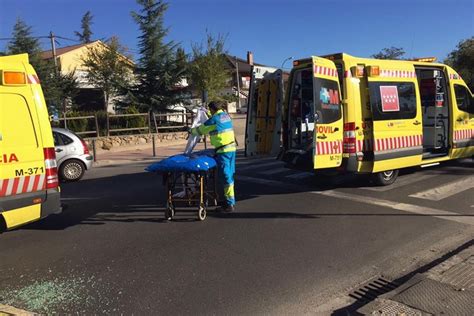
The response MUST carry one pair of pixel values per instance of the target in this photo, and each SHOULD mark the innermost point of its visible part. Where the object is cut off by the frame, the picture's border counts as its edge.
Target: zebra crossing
(274, 172)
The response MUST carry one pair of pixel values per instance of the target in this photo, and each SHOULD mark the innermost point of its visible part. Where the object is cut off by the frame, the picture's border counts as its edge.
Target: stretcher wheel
(202, 213)
(169, 212)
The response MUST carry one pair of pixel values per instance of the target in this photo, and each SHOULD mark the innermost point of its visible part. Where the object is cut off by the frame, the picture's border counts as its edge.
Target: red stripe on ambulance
(21, 185)
(325, 71)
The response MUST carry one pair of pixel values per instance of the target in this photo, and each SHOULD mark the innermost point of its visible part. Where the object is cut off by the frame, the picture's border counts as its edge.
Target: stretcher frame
(206, 193)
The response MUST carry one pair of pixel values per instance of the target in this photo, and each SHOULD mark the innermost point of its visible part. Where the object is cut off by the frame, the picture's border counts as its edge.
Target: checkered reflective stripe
(454, 76)
(33, 79)
(20, 185)
(390, 143)
(398, 142)
(325, 71)
(328, 148)
(398, 74)
(464, 134)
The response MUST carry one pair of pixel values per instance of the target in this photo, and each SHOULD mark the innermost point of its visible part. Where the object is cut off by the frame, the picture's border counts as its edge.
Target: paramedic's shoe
(225, 209)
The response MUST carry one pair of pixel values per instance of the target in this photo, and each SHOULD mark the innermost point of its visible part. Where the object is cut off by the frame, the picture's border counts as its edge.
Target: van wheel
(385, 177)
(72, 170)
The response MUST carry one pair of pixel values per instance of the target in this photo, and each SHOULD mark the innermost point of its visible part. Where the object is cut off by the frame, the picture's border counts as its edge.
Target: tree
(159, 73)
(390, 53)
(86, 22)
(24, 42)
(182, 59)
(108, 68)
(208, 67)
(56, 86)
(462, 60)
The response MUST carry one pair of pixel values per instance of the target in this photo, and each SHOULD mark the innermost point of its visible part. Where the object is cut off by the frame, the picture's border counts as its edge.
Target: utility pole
(56, 71)
(53, 50)
(238, 82)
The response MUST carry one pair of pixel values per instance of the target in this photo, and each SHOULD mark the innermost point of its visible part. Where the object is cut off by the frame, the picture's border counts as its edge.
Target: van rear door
(264, 112)
(328, 118)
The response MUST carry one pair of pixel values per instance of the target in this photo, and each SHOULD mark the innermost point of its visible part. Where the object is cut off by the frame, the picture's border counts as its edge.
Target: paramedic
(219, 127)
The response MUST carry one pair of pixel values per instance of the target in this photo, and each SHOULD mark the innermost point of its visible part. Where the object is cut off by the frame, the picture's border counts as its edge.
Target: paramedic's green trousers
(226, 170)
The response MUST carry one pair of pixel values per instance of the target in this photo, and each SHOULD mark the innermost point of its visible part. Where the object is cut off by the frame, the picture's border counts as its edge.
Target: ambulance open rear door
(328, 118)
(264, 110)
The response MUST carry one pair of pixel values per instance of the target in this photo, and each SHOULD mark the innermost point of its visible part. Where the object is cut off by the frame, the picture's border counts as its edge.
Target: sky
(272, 29)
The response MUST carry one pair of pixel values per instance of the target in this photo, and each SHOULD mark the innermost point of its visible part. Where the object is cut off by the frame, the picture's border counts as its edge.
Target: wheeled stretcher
(190, 182)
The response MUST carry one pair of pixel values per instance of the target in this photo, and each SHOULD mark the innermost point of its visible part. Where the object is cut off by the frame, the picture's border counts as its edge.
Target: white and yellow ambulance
(362, 115)
(29, 188)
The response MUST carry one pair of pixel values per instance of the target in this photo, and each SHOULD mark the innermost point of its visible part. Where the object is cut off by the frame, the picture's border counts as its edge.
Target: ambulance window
(327, 100)
(463, 98)
(340, 74)
(392, 100)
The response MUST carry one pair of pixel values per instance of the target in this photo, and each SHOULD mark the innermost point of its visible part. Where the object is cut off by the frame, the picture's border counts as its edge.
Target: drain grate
(373, 289)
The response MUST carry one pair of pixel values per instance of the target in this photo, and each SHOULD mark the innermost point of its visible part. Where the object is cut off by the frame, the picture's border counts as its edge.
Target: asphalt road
(298, 243)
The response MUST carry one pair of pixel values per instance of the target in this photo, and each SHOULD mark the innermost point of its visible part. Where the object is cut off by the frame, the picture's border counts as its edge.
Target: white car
(72, 154)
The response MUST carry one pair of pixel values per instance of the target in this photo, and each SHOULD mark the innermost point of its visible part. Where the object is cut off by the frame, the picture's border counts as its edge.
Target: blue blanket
(200, 161)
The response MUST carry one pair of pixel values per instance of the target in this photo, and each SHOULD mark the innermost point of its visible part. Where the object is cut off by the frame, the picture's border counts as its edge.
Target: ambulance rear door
(397, 118)
(462, 118)
(328, 118)
(264, 112)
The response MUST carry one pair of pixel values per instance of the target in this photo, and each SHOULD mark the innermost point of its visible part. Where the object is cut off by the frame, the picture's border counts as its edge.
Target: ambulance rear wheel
(385, 177)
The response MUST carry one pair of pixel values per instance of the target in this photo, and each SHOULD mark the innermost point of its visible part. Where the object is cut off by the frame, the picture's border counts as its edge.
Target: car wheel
(385, 177)
(72, 170)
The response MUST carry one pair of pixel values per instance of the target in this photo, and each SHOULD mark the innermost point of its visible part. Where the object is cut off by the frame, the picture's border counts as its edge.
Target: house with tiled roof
(69, 59)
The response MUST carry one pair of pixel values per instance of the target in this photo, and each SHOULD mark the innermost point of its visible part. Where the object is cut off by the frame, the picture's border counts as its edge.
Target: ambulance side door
(397, 119)
(462, 118)
(329, 121)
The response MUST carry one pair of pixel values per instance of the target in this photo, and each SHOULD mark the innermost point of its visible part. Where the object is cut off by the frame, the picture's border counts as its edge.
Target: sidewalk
(144, 154)
(446, 289)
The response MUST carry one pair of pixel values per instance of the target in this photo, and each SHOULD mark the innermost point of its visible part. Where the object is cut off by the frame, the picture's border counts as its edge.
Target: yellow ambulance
(29, 188)
(360, 115)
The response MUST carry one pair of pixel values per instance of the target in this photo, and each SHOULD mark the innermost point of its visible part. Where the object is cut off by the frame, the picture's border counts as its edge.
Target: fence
(82, 118)
(131, 124)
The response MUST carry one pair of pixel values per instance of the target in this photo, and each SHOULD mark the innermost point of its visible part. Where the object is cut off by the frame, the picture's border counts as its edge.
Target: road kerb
(6, 310)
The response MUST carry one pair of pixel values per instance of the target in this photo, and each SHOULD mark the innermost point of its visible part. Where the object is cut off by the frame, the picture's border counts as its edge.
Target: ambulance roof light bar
(425, 59)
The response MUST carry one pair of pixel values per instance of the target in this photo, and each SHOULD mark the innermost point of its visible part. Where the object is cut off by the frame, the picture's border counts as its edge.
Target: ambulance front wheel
(385, 177)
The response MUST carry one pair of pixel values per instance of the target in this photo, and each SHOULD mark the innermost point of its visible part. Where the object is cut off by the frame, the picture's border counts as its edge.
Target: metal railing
(88, 132)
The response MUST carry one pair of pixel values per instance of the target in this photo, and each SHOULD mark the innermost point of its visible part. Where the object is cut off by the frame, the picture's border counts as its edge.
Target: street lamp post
(283, 63)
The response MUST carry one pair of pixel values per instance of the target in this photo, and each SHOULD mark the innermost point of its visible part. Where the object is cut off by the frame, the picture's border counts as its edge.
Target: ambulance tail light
(350, 138)
(51, 166)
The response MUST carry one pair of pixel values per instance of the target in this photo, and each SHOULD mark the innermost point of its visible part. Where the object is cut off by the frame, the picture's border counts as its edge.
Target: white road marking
(411, 208)
(442, 192)
(300, 175)
(402, 181)
(260, 165)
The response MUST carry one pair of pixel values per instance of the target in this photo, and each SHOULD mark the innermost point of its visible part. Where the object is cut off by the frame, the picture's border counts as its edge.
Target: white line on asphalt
(447, 190)
(260, 165)
(402, 181)
(300, 175)
(411, 208)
